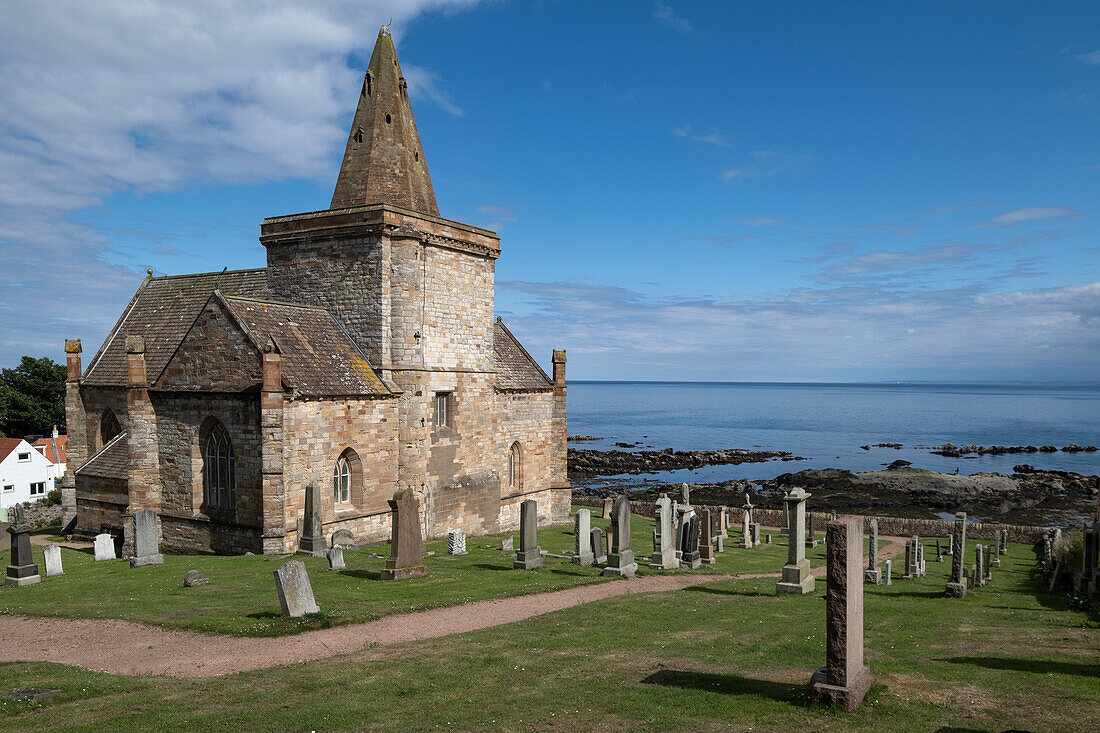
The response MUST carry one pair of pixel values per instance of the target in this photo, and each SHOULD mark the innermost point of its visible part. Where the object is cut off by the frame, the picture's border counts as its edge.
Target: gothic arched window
(341, 481)
(515, 467)
(218, 470)
(109, 427)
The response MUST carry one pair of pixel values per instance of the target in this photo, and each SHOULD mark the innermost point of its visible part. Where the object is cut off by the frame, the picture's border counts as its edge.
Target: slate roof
(110, 462)
(162, 310)
(516, 370)
(318, 356)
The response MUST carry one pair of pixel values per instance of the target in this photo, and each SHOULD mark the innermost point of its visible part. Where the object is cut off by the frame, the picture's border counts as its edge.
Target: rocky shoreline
(587, 463)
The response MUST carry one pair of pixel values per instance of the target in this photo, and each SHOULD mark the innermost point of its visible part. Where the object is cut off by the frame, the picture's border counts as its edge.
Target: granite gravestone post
(987, 563)
(921, 568)
(21, 568)
(755, 534)
(811, 534)
(689, 547)
(146, 543)
(889, 577)
(911, 559)
(664, 544)
(845, 679)
(52, 557)
(956, 584)
(796, 577)
(620, 561)
(979, 566)
(295, 592)
(706, 548)
(311, 541)
(600, 555)
(873, 574)
(406, 558)
(785, 525)
(529, 555)
(995, 558)
(723, 522)
(456, 542)
(582, 538)
(746, 530)
(104, 547)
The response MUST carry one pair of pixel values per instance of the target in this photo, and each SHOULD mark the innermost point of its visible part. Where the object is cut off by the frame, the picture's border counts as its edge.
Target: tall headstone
(689, 544)
(529, 555)
(146, 542)
(785, 524)
(768, 538)
(746, 530)
(723, 522)
(295, 592)
(1004, 541)
(104, 547)
(979, 566)
(889, 573)
(921, 568)
(21, 569)
(456, 541)
(987, 562)
(951, 544)
(845, 679)
(706, 548)
(597, 545)
(664, 543)
(796, 577)
(52, 556)
(608, 504)
(939, 552)
(620, 561)
(406, 558)
(956, 584)
(912, 558)
(582, 538)
(811, 534)
(995, 559)
(311, 541)
(873, 574)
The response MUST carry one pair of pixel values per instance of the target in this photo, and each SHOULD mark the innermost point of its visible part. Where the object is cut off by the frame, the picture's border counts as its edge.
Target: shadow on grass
(265, 614)
(731, 684)
(917, 593)
(487, 566)
(362, 574)
(720, 592)
(572, 573)
(1027, 665)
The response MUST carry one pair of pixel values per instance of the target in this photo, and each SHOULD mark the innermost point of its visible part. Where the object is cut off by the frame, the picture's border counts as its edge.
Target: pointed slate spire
(384, 161)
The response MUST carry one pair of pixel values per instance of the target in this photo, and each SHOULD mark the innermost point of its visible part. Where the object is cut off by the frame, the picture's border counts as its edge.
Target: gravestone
(600, 554)
(194, 578)
(529, 555)
(1004, 541)
(582, 538)
(456, 541)
(873, 574)
(921, 568)
(608, 506)
(811, 533)
(832, 517)
(684, 513)
(295, 592)
(746, 530)
(956, 583)
(146, 543)
(689, 544)
(979, 566)
(52, 555)
(845, 679)
(987, 562)
(706, 549)
(951, 544)
(785, 525)
(664, 543)
(311, 540)
(911, 560)
(723, 522)
(343, 539)
(507, 544)
(620, 561)
(889, 574)
(995, 559)
(336, 558)
(755, 534)
(21, 568)
(796, 577)
(719, 544)
(939, 552)
(406, 558)
(768, 539)
(104, 547)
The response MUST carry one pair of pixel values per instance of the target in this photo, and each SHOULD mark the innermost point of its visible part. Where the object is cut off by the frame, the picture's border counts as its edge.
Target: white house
(54, 448)
(25, 474)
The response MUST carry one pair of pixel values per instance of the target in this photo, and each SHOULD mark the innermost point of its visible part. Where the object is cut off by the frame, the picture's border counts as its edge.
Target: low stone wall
(887, 526)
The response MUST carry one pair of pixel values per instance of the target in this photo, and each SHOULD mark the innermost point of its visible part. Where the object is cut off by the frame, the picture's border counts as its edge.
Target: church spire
(384, 161)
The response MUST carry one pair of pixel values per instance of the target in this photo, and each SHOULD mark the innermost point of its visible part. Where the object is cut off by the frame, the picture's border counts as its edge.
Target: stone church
(364, 358)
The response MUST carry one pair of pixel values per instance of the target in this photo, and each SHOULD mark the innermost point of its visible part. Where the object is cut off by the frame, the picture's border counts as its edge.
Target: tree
(32, 398)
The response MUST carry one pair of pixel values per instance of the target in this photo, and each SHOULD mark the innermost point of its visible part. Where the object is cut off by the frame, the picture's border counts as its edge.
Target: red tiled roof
(7, 445)
(53, 448)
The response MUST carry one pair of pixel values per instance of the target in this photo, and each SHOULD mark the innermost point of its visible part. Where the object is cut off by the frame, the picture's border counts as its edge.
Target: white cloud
(1092, 58)
(668, 17)
(763, 163)
(765, 221)
(493, 216)
(1032, 213)
(713, 138)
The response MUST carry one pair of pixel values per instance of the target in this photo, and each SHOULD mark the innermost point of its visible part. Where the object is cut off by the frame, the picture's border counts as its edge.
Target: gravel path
(126, 647)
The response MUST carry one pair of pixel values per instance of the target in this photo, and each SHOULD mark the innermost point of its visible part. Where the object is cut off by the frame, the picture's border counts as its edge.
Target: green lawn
(241, 599)
(725, 655)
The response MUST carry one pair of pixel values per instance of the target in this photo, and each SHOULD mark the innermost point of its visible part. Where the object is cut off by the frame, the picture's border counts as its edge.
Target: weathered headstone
(620, 561)
(52, 555)
(146, 542)
(456, 541)
(529, 555)
(21, 569)
(995, 559)
(194, 578)
(768, 538)
(406, 558)
(719, 544)
(811, 533)
(104, 547)
(706, 549)
(508, 544)
(845, 679)
(755, 534)
(746, 530)
(1004, 541)
(723, 522)
(311, 541)
(597, 545)
(889, 573)
(608, 505)
(912, 559)
(336, 558)
(582, 538)
(785, 526)
(951, 544)
(832, 517)
(979, 566)
(939, 552)
(689, 544)
(664, 543)
(921, 567)
(987, 562)
(796, 577)
(873, 574)
(956, 584)
(295, 592)
(343, 539)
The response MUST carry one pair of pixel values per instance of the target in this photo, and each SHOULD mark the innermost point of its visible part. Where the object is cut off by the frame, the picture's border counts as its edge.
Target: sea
(827, 423)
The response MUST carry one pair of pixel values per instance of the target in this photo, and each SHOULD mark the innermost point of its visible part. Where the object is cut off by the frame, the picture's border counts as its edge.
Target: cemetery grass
(240, 598)
(725, 655)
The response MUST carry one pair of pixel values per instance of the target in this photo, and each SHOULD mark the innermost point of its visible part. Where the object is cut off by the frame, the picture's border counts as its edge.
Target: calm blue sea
(827, 423)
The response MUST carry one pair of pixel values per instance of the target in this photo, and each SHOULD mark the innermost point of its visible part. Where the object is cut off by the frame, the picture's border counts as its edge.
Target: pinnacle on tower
(384, 161)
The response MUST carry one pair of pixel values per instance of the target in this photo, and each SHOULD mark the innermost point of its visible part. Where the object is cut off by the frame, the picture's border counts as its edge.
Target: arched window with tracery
(109, 427)
(515, 466)
(341, 481)
(218, 474)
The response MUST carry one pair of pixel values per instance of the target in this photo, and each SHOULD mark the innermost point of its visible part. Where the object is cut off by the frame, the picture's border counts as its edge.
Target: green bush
(53, 498)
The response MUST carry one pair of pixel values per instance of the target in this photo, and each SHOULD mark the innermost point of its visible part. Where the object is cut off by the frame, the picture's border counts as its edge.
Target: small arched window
(341, 481)
(109, 427)
(515, 467)
(218, 470)
(358, 137)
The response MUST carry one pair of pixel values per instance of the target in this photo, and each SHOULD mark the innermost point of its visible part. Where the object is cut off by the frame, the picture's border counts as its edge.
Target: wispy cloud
(429, 85)
(722, 241)
(494, 216)
(1091, 58)
(668, 17)
(713, 138)
(765, 221)
(763, 163)
(878, 261)
(1032, 213)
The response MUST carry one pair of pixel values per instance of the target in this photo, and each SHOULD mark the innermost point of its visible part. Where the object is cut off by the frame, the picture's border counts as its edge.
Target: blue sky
(704, 190)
